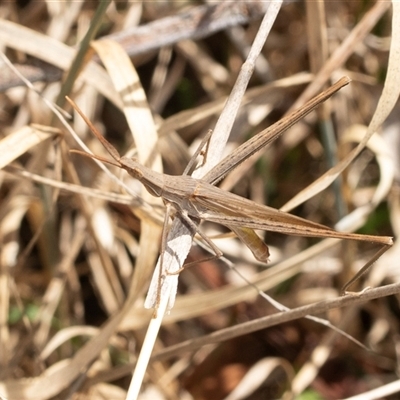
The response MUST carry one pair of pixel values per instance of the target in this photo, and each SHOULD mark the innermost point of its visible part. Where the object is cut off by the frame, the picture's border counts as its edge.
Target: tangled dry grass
(78, 248)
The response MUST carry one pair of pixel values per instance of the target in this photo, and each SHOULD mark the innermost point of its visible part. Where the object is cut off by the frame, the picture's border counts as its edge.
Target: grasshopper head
(132, 167)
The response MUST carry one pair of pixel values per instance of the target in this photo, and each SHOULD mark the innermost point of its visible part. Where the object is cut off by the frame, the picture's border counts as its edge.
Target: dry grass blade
(387, 101)
(77, 248)
(21, 141)
(278, 318)
(56, 53)
(344, 51)
(147, 37)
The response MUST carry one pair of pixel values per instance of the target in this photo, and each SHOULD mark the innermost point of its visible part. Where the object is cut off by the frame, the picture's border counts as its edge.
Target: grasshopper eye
(137, 173)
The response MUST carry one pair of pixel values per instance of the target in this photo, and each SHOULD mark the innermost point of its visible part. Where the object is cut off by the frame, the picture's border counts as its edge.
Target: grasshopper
(199, 199)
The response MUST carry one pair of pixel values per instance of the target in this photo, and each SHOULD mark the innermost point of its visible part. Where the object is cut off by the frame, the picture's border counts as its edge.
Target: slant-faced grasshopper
(200, 199)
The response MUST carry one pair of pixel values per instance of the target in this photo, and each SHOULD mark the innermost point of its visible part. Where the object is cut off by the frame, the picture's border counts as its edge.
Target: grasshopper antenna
(102, 159)
(107, 145)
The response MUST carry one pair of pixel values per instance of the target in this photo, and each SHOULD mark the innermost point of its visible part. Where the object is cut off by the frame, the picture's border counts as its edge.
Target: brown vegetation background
(78, 251)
